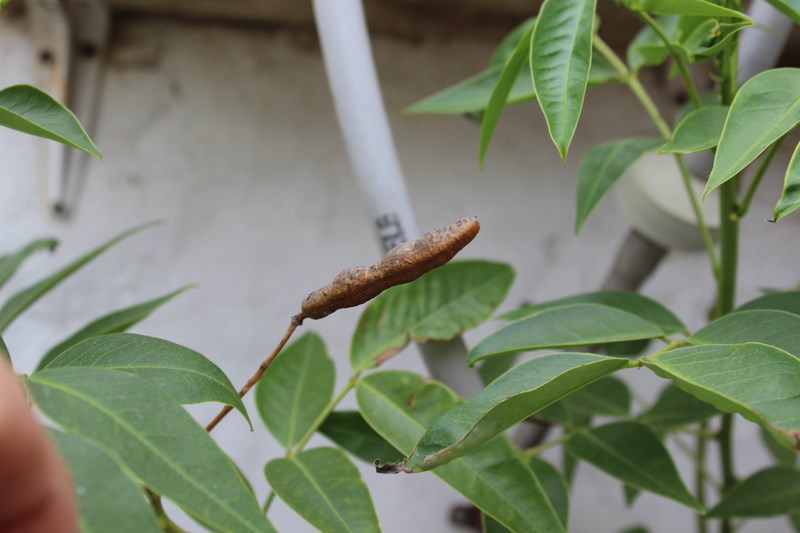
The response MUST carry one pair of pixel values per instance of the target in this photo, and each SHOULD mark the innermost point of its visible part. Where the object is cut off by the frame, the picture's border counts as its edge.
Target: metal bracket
(71, 40)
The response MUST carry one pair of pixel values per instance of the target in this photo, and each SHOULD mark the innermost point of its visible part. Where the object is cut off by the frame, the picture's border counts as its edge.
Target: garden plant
(115, 399)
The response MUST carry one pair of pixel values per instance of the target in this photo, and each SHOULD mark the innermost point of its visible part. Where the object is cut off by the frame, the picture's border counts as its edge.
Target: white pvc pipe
(359, 106)
(351, 72)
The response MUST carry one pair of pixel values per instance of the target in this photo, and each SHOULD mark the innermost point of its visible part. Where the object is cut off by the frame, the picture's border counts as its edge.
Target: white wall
(228, 134)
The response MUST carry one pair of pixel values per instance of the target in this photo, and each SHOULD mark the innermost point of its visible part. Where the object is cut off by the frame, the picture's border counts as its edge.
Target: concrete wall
(228, 135)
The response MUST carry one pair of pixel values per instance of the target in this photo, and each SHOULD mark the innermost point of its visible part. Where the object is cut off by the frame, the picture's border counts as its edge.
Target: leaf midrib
(634, 466)
(461, 461)
(122, 423)
(321, 492)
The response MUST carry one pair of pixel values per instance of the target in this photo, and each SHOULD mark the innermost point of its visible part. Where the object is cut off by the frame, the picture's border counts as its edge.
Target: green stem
(633, 83)
(536, 450)
(726, 460)
(729, 250)
(744, 205)
(164, 522)
(691, 453)
(699, 478)
(680, 60)
(671, 346)
(268, 501)
(327, 411)
(315, 426)
(708, 240)
(4, 352)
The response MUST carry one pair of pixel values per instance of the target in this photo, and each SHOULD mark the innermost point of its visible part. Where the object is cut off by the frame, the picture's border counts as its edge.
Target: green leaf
(647, 48)
(182, 373)
(794, 519)
(349, 430)
(632, 302)
(782, 455)
(607, 396)
(506, 48)
(561, 55)
(563, 414)
(490, 525)
(625, 349)
(399, 405)
(790, 199)
(788, 301)
(514, 84)
(25, 298)
(765, 108)
(4, 351)
(116, 322)
(11, 262)
(572, 325)
(770, 492)
(632, 453)
(29, 110)
(698, 131)
(326, 489)
(506, 82)
(493, 368)
(601, 167)
(693, 8)
(296, 389)
(517, 394)
(675, 409)
(759, 382)
(630, 494)
(711, 38)
(554, 485)
(776, 328)
(790, 8)
(473, 94)
(154, 437)
(108, 499)
(437, 307)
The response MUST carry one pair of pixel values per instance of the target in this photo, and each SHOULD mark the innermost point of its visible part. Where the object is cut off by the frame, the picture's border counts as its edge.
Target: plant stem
(327, 411)
(536, 450)
(296, 321)
(4, 352)
(680, 60)
(164, 522)
(268, 501)
(729, 248)
(691, 453)
(674, 343)
(744, 205)
(633, 83)
(708, 241)
(699, 478)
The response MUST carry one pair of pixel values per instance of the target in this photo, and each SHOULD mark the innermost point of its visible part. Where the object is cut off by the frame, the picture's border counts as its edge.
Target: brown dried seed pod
(402, 264)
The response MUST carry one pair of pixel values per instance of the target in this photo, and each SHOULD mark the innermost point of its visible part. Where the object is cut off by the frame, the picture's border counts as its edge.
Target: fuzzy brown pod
(402, 264)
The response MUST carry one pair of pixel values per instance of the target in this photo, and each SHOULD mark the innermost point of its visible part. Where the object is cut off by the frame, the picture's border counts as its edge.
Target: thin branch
(744, 205)
(633, 83)
(297, 320)
(680, 60)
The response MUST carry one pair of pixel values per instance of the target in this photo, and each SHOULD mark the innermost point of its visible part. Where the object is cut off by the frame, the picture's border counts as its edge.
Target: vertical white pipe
(351, 72)
(359, 107)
